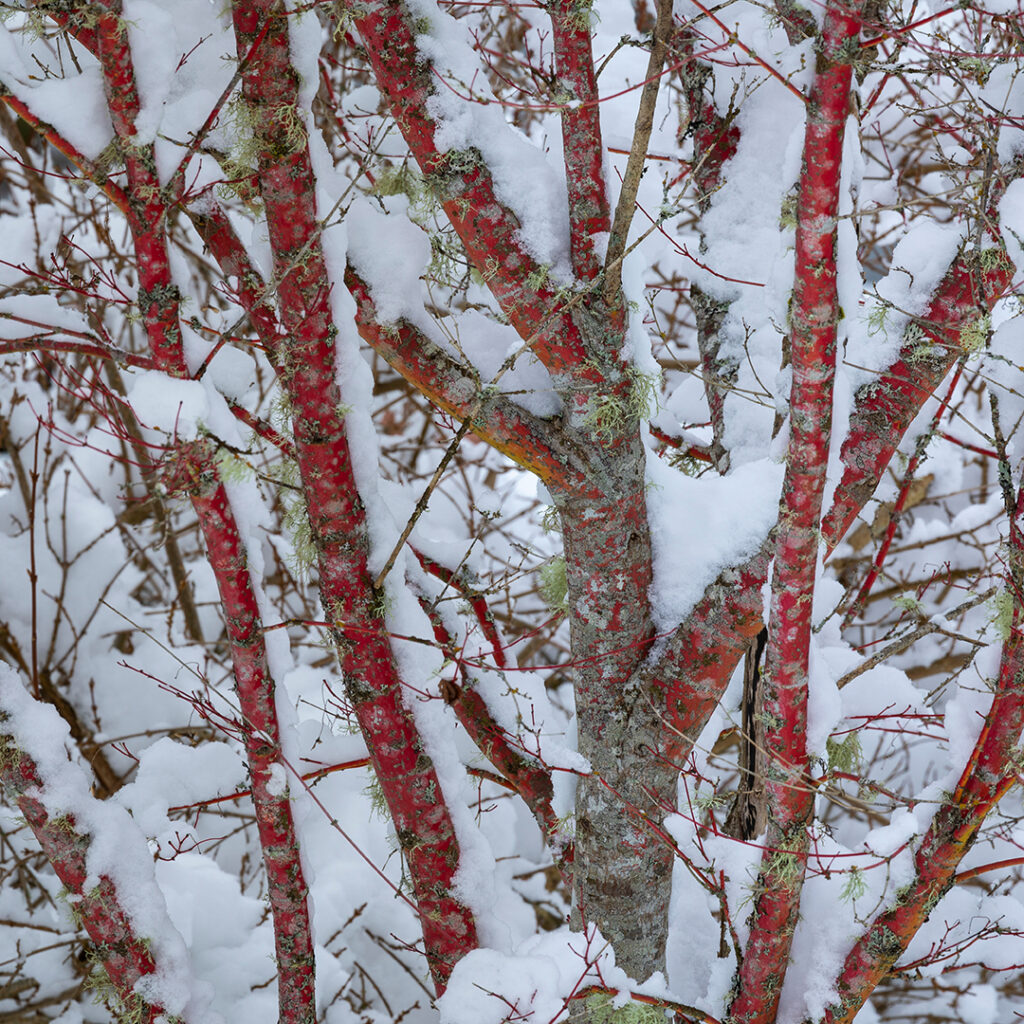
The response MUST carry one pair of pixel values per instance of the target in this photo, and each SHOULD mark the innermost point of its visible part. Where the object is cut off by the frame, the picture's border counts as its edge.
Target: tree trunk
(622, 868)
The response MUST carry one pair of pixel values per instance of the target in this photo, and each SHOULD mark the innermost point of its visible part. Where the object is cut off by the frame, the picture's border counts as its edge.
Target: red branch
(455, 388)
(459, 582)
(589, 213)
(815, 314)
(488, 230)
(261, 733)
(113, 191)
(989, 773)
(126, 957)
(305, 358)
(190, 469)
(702, 653)
(220, 238)
(531, 781)
(886, 408)
(857, 605)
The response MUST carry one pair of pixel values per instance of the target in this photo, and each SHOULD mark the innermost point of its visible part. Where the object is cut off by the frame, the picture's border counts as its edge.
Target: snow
(177, 407)
(398, 294)
(510, 156)
(78, 112)
(730, 515)
(535, 980)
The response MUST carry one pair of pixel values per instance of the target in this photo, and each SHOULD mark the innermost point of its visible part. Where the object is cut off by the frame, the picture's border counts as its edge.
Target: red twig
(981, 869)
(241, 794)
(857, 605)
(749, 52)
(125, 956)
(885, 408)
(452, 387)
(489, 232)
(988, 775)
(522, 775)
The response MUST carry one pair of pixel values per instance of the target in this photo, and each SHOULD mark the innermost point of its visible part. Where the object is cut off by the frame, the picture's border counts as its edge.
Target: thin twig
(626, 205)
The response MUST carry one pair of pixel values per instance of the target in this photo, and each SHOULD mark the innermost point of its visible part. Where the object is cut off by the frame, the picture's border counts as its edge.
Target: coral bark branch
(527, 778)
(815, 315)
(535, 444)
(487, 228)
(885, 408)
(192, 471)
(990, 771)
(305, 359)
(125, 956)
(582, 148)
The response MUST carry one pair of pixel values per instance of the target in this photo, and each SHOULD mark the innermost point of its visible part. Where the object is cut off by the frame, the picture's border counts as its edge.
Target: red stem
(453, 387)
(999, 865)
(531, 781)
(857, 606)
(989, 774)
(126, 957)
(305, 358)
(489, 231)
(191, 470)
(589, 213)
(459, 582)
(815, 314)
(886, 408)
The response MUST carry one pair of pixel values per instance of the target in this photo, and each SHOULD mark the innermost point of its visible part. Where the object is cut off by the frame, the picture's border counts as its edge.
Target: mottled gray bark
(719, 373)
(622, 867)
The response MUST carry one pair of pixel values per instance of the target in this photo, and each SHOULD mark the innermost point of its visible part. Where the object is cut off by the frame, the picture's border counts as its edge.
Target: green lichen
(919, 344)
(382, 605)
(784, 869)
(125, 1008)
(788, 212)
(297, 526)
(706, 801)
(994, 258)
(231, 467)
(844, 755)
(378, 802)
(554, 585)
(538, 277)
(854, 887)
(687, 463)
(610, 413)
(977, 68)
(975, 334)
(907, 602)
(10, 753)
(1000, 607)
(550, 520)
(405, 180)
(600, 1010)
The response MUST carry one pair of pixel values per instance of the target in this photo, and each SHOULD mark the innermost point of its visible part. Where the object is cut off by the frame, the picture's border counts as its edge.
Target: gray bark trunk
(622, 870)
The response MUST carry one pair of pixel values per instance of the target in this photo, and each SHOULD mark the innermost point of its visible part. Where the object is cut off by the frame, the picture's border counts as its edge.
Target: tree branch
(488, 230)
(533, 443)
(789, 793)
(582, 148)
(886, 408)
(305, 360)
(191, 470)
